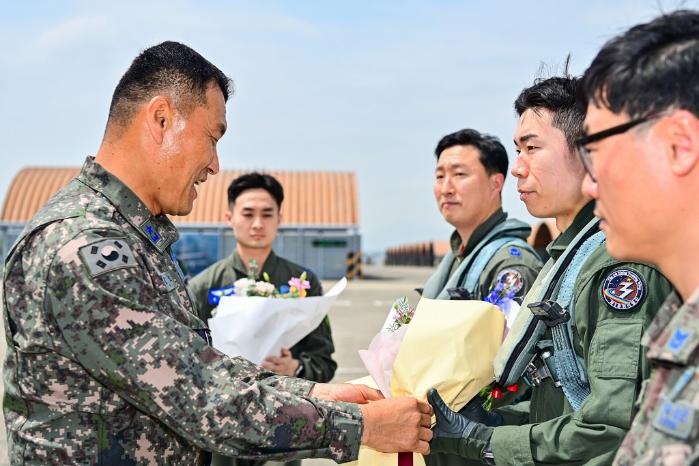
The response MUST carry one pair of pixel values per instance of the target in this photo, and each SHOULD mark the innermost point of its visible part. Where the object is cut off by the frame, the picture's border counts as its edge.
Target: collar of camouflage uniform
(158, 230)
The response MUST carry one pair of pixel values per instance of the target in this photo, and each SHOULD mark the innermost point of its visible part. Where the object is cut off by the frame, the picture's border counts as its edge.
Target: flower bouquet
(446, 344)
(254, 319)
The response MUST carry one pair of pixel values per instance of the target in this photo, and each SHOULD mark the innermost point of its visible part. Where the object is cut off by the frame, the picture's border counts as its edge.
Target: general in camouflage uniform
(636, 118)
(107, 361)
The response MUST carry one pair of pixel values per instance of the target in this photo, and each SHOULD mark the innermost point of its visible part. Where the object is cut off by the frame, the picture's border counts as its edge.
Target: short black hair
(256, 180)
(558, 95)
(168, 68)
(650, 68)
(493, 155)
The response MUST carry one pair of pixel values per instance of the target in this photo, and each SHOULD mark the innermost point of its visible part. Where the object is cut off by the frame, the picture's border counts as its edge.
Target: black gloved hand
(457, 434)
(475, 411)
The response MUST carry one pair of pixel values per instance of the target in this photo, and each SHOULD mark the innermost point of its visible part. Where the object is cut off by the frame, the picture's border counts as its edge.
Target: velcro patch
(169, 282)
(107, 255)
(680, 336)
(675, 419)
(215, 294)
(623, 290)
(511, 279)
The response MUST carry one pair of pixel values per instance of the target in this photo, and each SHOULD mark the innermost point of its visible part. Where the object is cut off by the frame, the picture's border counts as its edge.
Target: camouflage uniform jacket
(106, 363)
(666, 430)
(314, 352)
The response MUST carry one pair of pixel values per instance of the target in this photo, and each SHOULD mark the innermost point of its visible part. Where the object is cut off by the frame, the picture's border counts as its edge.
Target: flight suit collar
(241, 268)
(557, 246)
(158, 230)
(462, 250)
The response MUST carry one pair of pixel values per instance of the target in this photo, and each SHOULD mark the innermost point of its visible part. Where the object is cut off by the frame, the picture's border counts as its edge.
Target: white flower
(242, 285)
(264, 288)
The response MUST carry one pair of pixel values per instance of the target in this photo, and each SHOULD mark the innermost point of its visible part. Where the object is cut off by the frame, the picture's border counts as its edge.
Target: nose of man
(519, 168)
(589, 187)
(213, 167)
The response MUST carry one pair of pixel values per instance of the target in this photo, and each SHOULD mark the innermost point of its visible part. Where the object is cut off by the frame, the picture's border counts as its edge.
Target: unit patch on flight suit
(511, 279)
(623, 290)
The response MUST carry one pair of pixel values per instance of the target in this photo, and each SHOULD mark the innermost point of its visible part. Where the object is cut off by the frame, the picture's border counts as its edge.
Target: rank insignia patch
(675, 419)
(623, 290)
(152, 233)
(511, 279)
(680, 336)
(107, 255)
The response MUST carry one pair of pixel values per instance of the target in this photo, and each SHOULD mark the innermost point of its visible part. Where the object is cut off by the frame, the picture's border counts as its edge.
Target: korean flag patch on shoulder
(623, 290)
(107, 255)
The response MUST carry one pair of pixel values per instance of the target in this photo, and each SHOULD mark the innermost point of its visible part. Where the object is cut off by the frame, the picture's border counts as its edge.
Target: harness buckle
(550, 312)
(536, 375)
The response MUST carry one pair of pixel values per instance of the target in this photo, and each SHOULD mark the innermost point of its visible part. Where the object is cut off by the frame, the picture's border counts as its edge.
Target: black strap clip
(458, 294)
(550, 312)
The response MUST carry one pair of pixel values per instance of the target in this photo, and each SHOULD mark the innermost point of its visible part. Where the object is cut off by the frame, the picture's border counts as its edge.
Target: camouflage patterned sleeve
(117, 325)
(199, 291)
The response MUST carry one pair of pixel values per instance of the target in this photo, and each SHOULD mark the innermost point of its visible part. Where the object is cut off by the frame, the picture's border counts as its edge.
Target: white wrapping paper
(255, 327)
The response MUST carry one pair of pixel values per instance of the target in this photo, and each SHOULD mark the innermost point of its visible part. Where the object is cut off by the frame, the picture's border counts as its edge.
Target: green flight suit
(314, 352)
(546, 430)
(512, 262)
(520, 262)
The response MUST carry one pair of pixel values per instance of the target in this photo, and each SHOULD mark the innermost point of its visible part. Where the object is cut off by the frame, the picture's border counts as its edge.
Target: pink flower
(299, 285)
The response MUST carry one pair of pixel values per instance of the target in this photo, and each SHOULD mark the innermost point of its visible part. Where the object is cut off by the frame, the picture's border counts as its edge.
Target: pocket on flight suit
(615, 349)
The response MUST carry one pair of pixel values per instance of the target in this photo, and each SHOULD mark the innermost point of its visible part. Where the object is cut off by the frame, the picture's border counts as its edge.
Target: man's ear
(228, 215)
(497, 180)
(160, 116)
(681, 133)
(279, 218)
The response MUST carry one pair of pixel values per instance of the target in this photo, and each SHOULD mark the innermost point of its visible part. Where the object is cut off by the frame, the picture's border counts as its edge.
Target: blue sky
(368, 87)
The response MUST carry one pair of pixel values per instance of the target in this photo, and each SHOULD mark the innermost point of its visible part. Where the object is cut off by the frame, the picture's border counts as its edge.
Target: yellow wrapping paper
(449, 345)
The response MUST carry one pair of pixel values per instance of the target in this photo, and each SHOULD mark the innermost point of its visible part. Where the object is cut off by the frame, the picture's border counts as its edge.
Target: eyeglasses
(585, 155)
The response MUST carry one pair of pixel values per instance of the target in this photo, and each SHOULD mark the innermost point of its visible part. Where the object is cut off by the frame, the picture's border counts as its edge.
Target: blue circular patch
(623, 290)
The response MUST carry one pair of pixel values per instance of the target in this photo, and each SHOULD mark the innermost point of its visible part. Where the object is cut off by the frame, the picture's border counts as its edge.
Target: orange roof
(311, 198)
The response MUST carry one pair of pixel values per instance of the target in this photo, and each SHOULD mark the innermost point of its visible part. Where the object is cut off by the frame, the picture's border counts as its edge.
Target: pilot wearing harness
(577, 339)
(487, 248)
